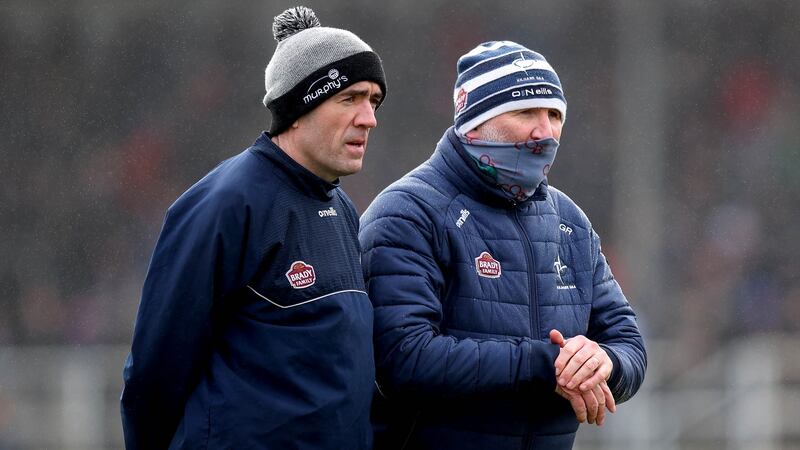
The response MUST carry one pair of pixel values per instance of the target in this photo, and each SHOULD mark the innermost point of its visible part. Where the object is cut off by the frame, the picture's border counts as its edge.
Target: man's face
(520, 126)
(332, 138)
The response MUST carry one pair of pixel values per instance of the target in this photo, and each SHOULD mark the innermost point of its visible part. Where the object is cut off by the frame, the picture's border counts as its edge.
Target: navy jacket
(466, 286)
(254, 330)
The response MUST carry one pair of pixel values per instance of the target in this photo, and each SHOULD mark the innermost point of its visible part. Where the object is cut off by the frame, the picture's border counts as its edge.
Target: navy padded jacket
(254, 330)
(466, 286)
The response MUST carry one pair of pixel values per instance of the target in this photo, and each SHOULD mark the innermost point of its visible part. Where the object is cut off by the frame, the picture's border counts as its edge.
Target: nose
(365, 116)
(542, 127)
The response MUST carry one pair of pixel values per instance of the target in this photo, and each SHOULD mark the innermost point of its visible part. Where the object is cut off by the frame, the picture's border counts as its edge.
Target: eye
(555, 114)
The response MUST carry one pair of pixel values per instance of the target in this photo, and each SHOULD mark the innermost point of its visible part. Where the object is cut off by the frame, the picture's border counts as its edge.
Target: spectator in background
(498, 323)
(254, 328)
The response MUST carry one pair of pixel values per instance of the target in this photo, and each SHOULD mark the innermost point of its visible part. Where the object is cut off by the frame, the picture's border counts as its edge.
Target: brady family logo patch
(487, 266)
(301, 275)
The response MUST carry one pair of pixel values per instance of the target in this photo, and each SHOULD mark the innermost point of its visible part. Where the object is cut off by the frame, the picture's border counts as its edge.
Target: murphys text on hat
(311, 63)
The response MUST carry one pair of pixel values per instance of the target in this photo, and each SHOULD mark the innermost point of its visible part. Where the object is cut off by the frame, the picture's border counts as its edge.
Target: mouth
(358, 145)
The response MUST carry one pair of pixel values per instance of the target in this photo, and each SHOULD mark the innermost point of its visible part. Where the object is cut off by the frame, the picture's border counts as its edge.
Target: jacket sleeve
(613, 325)
(197, 261)
(406, 282)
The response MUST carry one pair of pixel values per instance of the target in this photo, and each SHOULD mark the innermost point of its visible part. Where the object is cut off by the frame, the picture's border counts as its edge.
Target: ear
(472, 134)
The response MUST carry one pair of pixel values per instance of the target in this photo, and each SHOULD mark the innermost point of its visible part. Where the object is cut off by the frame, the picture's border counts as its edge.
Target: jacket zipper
(531, 260)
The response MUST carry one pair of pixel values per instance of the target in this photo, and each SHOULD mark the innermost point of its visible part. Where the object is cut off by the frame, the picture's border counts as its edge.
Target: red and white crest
(301, 275)
(487, 266)
(461, 100)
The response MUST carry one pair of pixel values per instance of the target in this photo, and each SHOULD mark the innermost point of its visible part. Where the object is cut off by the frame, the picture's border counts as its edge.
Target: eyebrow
(362, 93)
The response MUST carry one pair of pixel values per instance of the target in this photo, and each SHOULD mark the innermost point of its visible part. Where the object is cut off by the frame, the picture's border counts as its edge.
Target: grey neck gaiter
(516, 168)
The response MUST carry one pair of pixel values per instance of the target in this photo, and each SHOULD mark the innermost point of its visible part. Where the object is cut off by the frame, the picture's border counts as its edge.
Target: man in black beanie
(254, 328)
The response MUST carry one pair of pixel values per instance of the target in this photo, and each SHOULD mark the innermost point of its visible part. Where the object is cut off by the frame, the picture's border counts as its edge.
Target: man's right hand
(589, 406)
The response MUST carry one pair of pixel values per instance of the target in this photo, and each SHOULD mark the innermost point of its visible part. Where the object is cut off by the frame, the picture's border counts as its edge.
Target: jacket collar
(466, 176)
(297, 176)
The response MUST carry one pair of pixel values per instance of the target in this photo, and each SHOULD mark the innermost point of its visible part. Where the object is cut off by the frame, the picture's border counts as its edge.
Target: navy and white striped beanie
(500, 76)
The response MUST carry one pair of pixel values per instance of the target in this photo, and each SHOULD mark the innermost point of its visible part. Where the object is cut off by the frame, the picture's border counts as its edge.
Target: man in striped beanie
(486, 281)
(499, 82)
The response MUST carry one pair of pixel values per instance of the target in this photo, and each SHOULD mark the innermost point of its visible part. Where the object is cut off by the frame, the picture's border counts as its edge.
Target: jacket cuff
(543, 365)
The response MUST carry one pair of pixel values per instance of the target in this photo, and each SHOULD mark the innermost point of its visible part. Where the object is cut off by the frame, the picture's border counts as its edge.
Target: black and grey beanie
(311, 64)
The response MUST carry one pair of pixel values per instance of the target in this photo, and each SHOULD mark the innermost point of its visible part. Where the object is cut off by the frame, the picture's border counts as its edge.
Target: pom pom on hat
(292, 21)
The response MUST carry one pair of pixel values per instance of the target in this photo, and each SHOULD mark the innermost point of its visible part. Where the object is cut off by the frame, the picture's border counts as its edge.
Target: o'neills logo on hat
(487, 266)
(301, 275)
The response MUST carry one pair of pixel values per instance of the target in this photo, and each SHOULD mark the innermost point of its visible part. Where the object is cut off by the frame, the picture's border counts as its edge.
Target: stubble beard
(491, 133)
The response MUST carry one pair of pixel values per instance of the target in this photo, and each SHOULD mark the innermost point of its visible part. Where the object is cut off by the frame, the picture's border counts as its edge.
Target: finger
(576, 402)
(557, 338)
(580, 408)
(611, 404)
(601, 405)
(571, 347)
(577, 360)
(586, 375)
(601, 373)
(564, 356)
(592, 405)
(591, 381)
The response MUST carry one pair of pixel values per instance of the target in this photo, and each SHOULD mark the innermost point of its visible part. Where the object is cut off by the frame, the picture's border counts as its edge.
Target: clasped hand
(582, 368)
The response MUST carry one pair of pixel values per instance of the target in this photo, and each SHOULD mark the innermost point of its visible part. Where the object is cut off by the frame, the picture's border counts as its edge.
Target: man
(477, 269)
(254, 329)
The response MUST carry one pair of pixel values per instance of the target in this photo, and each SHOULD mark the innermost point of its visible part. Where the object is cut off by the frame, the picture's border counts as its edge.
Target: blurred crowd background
(682, 144)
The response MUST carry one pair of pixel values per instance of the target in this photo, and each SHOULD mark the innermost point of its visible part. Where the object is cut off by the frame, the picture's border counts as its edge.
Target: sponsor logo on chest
(462, 218)
(487, 267)
(301, 275)
(330, 212)
(561, 270)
